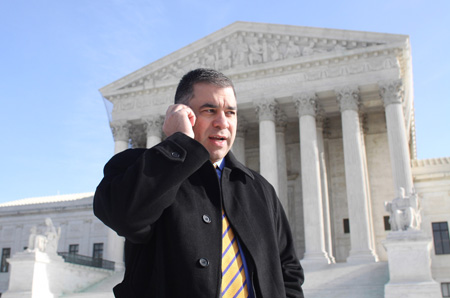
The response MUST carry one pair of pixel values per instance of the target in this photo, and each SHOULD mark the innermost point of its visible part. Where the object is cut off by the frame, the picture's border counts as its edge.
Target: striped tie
(234, 283)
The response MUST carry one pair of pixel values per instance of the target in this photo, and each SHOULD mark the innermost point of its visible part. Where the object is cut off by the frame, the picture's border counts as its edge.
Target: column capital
(391, 91)
(153, 124)
(348, 98)
(120, 130)
(306, 103)
(266, 109)
(281, 121)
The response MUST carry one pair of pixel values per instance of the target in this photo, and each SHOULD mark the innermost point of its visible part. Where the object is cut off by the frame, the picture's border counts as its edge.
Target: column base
(315, 260)
(413, 290)
(362, 257)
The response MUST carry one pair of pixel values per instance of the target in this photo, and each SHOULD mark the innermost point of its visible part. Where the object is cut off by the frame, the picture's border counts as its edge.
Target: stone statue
(52, 234)
(256, 52)
(292, 50)
(274, 52)
(309, 49)
(45, 242)
(241, 52)
(224, 58)
(404, 211)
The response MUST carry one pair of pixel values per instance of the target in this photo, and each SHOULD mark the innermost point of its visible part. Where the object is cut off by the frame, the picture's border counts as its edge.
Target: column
(266, 110)
(311, 186)
(355, 176)
(239, 142)
(324, 184)
(121, 134)
(281, 124)
(153, 127)
(114, 248)
(392, 94)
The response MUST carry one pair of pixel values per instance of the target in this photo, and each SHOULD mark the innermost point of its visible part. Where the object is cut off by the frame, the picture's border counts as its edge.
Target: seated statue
(44, 242)
(404, 211)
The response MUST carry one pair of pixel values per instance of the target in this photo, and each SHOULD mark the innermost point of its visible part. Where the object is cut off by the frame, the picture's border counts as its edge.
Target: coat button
(203, 262)
(176, 154)
(206, 219)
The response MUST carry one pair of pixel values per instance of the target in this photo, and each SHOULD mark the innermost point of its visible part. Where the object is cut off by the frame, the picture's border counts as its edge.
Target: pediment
(242, 46)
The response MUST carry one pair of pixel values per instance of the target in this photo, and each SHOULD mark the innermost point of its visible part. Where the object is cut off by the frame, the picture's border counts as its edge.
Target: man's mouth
(219, 138)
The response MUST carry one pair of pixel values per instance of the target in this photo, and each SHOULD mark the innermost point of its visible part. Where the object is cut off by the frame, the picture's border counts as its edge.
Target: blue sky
(55, 55)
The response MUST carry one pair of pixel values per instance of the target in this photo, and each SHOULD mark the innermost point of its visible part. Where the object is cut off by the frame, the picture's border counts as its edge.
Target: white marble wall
(432, 183)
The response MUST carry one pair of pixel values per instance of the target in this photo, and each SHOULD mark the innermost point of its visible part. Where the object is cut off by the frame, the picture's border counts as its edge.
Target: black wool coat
(167, 202)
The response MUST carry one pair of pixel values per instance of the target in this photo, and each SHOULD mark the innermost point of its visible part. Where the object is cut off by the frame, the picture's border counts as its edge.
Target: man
(197, 222)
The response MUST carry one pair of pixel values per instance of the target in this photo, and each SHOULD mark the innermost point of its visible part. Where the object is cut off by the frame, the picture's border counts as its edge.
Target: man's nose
(221, 121)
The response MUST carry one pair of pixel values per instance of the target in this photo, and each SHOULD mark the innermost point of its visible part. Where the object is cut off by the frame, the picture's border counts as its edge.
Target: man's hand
(179, 118)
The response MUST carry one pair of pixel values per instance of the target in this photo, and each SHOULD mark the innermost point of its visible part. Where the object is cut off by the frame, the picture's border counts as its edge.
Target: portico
(310, 102)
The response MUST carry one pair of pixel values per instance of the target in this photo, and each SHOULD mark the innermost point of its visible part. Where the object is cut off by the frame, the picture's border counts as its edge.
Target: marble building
(327, 116)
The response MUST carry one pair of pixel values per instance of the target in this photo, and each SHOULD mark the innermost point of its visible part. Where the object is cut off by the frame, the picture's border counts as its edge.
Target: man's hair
(185, 89)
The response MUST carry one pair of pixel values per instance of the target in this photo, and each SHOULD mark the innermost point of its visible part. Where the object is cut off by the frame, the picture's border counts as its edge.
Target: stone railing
(87, 261)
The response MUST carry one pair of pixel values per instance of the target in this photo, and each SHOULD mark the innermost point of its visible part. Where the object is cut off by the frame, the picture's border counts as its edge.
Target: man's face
(216, 111)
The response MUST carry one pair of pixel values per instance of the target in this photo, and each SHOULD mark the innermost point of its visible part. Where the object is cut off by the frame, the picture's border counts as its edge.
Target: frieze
(243, 49)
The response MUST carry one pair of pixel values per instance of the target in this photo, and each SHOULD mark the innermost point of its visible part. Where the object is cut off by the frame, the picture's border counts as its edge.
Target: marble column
(153, 127)
(362, 250)
(121, 134)
(392, 94)
(266, 110)
(320, 122)
(315, 253)
(238, 148)
(281, 124)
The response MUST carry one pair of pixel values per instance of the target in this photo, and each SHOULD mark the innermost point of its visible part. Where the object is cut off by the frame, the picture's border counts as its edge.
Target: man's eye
(231, 113)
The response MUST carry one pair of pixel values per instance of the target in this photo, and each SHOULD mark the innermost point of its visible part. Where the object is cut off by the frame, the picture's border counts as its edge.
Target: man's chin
(216, 156)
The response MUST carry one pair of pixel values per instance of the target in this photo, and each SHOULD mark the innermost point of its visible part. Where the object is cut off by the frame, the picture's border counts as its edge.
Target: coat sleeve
(139, 184)
(292, 270)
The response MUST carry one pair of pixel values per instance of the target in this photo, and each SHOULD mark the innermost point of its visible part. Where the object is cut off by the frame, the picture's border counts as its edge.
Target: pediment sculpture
(243, 49)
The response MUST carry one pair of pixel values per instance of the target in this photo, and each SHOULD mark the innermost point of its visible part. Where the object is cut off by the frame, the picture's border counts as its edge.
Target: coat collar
(232, 163)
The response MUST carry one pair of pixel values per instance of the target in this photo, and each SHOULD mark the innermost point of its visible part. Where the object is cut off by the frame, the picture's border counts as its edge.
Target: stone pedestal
(36, 274)
(410, 266)
(33, 275)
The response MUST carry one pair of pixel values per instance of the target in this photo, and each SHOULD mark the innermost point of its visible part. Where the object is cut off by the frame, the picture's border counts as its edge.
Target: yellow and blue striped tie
(234, 283)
